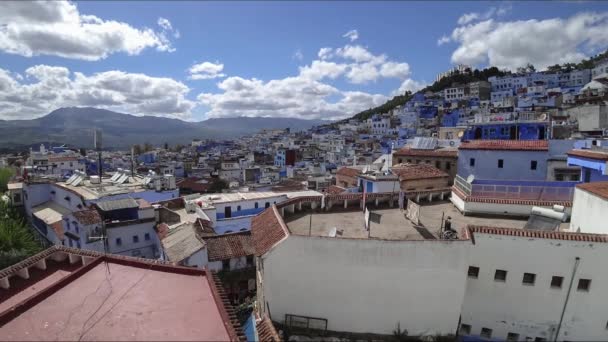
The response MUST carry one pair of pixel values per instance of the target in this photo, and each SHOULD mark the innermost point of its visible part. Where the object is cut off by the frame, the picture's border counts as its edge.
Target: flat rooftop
(126, 303)
(393, 223)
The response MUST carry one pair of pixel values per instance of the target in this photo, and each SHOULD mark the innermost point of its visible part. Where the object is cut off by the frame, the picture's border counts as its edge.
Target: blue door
(370, 187)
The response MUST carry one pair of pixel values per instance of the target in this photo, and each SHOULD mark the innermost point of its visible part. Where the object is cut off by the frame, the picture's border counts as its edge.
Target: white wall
(589, 213)
(198, 259)
(126, 233)
(368, 285)
(534, 311)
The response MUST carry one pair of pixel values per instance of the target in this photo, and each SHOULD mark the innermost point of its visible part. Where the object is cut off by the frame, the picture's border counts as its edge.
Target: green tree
(137, 149)
(16, 239)
(218, 185)
(5, 175)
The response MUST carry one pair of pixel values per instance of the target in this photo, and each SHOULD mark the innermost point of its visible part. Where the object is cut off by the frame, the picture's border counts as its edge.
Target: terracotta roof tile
(591, 154)
(410, 152)
(597, 188)
(86, 217)
(347, 171)
(512, 145)
(266, 331)
(540, 234)
(417, 171)
(334, 189)
(267, 229)
(228, 246)
(62, 159)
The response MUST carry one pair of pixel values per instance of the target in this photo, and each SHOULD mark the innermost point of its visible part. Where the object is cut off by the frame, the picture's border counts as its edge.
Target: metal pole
(310, 225)
(561, 318)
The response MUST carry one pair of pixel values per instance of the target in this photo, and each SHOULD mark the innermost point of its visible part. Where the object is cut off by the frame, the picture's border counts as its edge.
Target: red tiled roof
(266, 331)
(539, 203)
(334, 189)
(193, 184)
(591, 154)
(349, 172)
(597, 188)
(417, 171)
(512, 145)
(228, 246)
(540, 234)
(86, 217)
(267, 229)
(410, 152)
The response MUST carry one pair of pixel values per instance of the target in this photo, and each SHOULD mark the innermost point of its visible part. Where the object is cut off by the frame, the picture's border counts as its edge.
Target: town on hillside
(472, 210)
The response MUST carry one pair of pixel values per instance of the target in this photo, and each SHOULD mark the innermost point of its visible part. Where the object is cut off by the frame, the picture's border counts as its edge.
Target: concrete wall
(589, 213)
(534, 310)
(145, 247)
(425, 184)
(516, 164)
(367, 285)
(198, 259)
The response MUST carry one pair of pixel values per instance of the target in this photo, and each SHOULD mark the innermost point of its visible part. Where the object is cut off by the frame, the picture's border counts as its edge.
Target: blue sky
(396, 49)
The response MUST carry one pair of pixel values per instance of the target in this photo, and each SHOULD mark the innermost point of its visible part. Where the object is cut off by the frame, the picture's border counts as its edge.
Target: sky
(197, 60)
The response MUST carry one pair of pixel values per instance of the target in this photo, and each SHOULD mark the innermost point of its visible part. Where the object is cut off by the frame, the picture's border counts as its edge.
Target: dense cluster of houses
(476, 211)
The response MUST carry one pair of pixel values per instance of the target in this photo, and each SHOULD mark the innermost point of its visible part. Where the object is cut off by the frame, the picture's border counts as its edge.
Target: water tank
(95, 179)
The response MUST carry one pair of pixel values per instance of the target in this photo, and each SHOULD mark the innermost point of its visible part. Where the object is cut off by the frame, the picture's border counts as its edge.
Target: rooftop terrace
(393, 223)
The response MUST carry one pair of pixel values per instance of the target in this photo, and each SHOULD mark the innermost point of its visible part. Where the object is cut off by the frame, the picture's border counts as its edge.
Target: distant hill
(74, 126)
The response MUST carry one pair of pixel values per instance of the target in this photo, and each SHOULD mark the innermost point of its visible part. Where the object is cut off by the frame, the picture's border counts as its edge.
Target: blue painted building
(507, 131)
(592, 163)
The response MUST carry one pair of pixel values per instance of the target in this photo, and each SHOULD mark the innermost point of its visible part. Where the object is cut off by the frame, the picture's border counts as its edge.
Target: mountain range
(74, 126)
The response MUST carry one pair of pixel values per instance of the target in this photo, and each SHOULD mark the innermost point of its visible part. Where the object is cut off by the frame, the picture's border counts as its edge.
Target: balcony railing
(549, 191)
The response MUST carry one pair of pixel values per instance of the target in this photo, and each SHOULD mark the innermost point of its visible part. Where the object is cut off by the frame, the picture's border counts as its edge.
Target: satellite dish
(460, 134)
(470, 179)
(543, 117)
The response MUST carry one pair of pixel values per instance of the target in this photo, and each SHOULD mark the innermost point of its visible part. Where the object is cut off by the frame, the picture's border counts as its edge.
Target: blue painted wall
(516, 164)
(591, 170)
(502, 131)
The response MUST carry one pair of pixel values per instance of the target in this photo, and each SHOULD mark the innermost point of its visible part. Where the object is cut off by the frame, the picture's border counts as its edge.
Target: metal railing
(522, 192)
(462, 185)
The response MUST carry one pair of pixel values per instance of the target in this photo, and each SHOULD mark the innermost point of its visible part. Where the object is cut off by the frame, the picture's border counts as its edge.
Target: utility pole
(561, 318)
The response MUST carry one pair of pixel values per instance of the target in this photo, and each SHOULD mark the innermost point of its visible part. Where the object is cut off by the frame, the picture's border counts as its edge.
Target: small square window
(447, 165)
(147, 236)
(500, 275)
(486, 333)
(118, 241)
(529, 279)
(533, 165)
(135, 239)
(473, 272)
(500, 163)
(512, 337)
(556, 282)
(250, 260)
(465, 329)
(540, 339)
(583, 284)
(472, 162)
(226, 265)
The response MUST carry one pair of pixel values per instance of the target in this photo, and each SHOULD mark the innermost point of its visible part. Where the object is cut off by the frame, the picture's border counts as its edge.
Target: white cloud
(491, 12)
(409, 85)
(298, 55)
(352, 35)
(319, 70)
(47, 88)
(206, 70)
(467, 18)
(165, 24)
(325, 53)
(443, 40)
(512, 44)
(57, 28)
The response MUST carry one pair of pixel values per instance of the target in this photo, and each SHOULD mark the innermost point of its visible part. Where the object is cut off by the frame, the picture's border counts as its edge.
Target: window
(256, 205)
(465, 329)
(529, 279)
(540, 339)
(238, 208)
(486, 333)
(147, 236)
(512, 337)
(135, 238)
(583, 284)
(409, 160)
(400, 160)
(500, 275)
(500, 163)
(556, 282)
(267, 205)
(447, 165)
(473, 271)
(559, 177)
(118, 242)
(438, 164)
(533, 165)
(250, 260)
(226, 265)
(472, 162)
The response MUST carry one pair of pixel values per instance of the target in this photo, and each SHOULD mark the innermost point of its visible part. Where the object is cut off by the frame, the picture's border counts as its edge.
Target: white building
(590, 208)
(456, 93)
(600, 68)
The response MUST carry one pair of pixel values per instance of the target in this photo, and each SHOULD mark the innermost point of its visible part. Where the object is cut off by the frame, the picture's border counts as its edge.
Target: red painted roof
(417, 171)
(597, 188)
(410, 152)
(86, 217)
(228, 246)
(267, 229)
(137, 300)
(349, 172)
(591, 154)
(334, 189)
(512, 145)
(538, 234)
